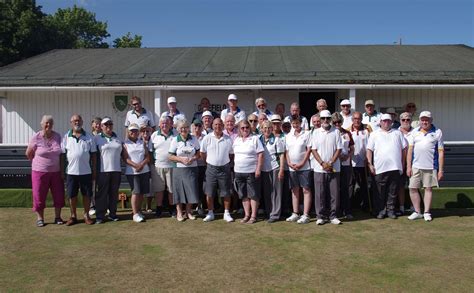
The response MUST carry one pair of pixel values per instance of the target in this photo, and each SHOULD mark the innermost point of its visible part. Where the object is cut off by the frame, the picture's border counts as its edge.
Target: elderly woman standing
(44, 150)
(184, 151)
(248, 160)
(137, 171)
(110, 150)
(197, 132)
(273, 171)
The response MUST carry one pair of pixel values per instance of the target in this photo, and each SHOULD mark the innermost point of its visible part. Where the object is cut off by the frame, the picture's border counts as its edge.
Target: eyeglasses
(134, 131)
(253, 121)
(406, 120)
(244, 127)
(135, 104)
(337, 122)
(261, 106)
(325, 118)
(345, 106)
(197, 125)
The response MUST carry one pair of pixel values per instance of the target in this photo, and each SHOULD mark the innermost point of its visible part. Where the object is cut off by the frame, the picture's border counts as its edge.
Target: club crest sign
(120, 102)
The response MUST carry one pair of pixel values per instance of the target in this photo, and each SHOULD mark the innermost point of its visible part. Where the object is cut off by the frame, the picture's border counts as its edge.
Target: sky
(185, 23)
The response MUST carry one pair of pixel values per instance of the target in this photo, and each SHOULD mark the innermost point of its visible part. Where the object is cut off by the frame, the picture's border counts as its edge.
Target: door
(308, 102)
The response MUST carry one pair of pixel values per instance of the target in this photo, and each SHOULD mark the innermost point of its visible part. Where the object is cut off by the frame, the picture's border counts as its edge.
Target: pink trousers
(41, 183)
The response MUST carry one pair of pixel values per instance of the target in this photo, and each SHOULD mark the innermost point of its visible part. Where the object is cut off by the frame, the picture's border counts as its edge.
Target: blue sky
(180, 23)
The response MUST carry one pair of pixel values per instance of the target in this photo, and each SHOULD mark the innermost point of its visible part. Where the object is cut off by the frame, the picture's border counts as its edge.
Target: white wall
(22, 111)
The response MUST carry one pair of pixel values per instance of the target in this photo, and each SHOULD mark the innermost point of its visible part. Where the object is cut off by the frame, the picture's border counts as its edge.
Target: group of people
(253, 162)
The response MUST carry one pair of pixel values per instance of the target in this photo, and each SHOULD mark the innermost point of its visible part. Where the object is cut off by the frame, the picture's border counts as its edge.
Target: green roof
(364, 64)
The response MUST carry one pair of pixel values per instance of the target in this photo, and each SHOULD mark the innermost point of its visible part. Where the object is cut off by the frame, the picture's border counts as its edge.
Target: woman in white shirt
(137, 171)
(184, 151)
(248, 160)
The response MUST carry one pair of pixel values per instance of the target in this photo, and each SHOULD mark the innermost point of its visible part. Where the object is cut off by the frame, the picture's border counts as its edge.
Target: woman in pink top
(44, 151)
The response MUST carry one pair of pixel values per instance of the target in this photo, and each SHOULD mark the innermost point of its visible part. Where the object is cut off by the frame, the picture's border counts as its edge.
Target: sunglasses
(253, 121)
(345, 106)
(244, 127)
(262, 105)
(198, 125)
(406, 120)
(337, 122)
(325, 118)
(134, 131)
(135, 104)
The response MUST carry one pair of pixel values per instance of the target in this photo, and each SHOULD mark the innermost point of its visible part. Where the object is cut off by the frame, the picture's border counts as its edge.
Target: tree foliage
(26, 31)
(127, 41)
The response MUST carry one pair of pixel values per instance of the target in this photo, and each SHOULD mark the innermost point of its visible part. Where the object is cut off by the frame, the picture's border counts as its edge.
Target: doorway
(308, 100)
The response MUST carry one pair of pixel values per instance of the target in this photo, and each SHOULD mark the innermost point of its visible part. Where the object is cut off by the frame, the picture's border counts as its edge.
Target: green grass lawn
(164, 255)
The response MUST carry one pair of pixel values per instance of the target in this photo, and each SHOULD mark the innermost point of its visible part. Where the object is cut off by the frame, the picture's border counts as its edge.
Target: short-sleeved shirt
(186, 148)
(273, 148)
(145, 117)
(387, 147)
(267, 112)
(47, 152)
(360, 138)
(217, 150)
(297, 146)
(304, 122)
(347, 122)
(426, 147)
(159, 146)
(137, 153)
(326, 143)
(239, 114)
(372, 120)
(245, 154)
(78, 152)
(110, 150)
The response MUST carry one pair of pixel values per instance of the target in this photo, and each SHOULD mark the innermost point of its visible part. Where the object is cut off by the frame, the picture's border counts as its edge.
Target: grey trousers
(272, 190)
(345, 195)
(108, 185)
(387, 187)
(326, 193)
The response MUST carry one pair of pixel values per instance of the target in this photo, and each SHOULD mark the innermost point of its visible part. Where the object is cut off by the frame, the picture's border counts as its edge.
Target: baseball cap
(105, 120)
(425, 114)
(275, 118)
(171, 100)
(133, 126)
(369, 102)
(206, 113)
(325, 113)
(386, 116)
(345, 102)
(197, 121)
(391, 110)
(232, 97)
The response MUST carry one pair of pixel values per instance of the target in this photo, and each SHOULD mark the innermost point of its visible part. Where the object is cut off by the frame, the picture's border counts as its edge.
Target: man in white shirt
(207, 118)
(239, 114)
(371, 116)
(386, 154)
(261, 105)
(139, 115)
(295, 113)
(216, 150)
(326, 146)
(425, 163)
(79, 151)
(346, 113)
(173, 111)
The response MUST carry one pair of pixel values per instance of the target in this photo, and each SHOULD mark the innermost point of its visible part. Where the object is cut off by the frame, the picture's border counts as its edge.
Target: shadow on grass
(463, 202)
(452, 212)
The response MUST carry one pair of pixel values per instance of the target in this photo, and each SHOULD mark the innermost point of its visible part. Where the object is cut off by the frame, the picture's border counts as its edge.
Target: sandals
(252, 220)
(40, 223)
(245, 219)
(58, 221)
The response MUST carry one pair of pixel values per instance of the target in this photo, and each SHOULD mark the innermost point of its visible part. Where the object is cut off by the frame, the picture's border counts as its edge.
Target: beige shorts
(161, 179)
(423, 178)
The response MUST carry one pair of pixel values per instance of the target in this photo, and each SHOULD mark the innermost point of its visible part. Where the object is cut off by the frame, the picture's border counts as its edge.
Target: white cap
(391, 110)
(171, 100)
(386, 116)
(275, 118)
(133, 126)
(325, 113)
(105, 120)
(345, 102)
(206, 113)
(232, 97)
(426, 114)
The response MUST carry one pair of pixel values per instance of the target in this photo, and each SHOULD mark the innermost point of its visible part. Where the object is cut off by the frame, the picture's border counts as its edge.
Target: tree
(78, 28)
(127, 41)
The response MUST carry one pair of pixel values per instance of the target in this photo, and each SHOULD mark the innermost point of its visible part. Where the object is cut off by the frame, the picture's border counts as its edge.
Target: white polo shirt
(217, 150)
(184, 148)
(245, 154)
(110, 150)
(347, 122)
(239, 115)
(326, 143)
(136, 152)
(78, 152)
(426, 147)
(373, 121)
(297, 146)
(304, 122)
(159, 146)
(387, 149)
(361, 138)
(273, 148)
(144, 118)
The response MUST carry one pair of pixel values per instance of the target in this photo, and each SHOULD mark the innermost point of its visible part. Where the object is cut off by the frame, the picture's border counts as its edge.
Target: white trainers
(138, 218)
(335, 221)
(293, 218)
(228, 218)
(91, 212)
(208, 218)
(427, 217)
(415, 216)
(304, 219)
(320, 222)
